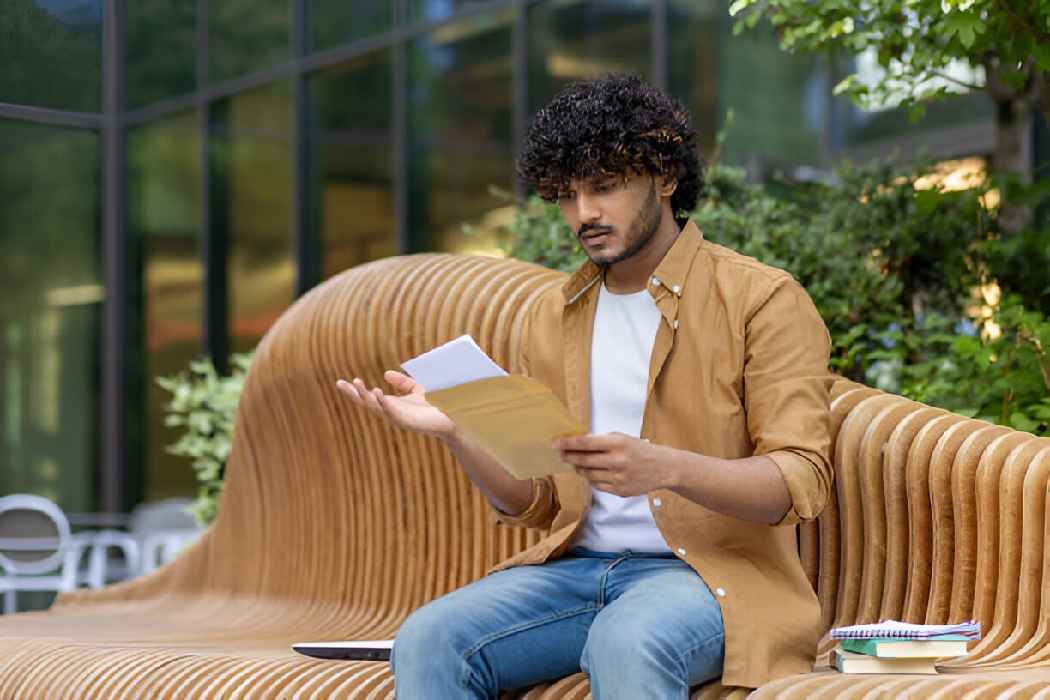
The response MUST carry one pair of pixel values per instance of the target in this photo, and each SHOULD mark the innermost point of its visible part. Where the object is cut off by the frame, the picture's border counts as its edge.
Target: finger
(388, 407)
(596, 479)
(367, 398)
(373, 400)
(350, 390)
(346, 388)
(589, 460)
(402, 383)
(589, 443)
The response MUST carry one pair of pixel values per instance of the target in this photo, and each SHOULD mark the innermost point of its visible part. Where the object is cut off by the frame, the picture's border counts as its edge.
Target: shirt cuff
(540, 511)
(808, 492)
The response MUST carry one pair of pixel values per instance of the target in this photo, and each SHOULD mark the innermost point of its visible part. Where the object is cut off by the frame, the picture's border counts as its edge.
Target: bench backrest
(935, 518)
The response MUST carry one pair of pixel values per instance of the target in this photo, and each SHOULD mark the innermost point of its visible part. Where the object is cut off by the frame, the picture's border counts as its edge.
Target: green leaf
(1022, 422)
(927, 201)
(739, 5)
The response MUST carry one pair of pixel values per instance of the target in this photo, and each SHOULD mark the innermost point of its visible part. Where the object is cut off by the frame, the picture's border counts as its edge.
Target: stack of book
(891, 646)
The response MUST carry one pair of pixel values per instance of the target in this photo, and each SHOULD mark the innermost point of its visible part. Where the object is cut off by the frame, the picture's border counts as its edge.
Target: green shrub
(204, 403)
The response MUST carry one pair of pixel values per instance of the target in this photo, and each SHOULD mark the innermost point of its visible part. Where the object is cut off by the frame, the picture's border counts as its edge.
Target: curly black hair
(608, 127)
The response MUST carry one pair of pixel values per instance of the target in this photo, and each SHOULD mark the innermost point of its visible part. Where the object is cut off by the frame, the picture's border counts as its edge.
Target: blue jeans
(640, 625)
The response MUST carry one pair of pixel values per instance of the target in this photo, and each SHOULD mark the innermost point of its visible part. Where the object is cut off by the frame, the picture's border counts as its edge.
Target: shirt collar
(670, 273)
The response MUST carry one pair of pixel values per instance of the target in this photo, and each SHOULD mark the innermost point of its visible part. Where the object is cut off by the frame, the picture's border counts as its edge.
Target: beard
(640, 232)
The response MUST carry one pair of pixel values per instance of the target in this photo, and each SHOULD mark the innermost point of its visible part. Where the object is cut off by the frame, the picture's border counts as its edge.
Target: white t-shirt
(625, 328)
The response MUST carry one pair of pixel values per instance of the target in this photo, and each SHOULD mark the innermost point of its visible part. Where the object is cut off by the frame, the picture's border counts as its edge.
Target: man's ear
(665, 187)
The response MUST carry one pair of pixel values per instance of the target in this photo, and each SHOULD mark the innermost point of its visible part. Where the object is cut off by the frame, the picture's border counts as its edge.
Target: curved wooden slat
(942, 513)
(920, 518)
(895, 493)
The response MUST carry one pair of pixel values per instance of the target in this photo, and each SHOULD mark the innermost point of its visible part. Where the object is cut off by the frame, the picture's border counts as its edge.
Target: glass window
(51, 53)
(251, 201)
(245, 36)
(571, 40)
(50, 313)
(434, 10)
(161, 50)
(460, 133)
(336, 22)
(164, 166)
(351, 186)
(694, 32)
(874, 127)
(779, 100)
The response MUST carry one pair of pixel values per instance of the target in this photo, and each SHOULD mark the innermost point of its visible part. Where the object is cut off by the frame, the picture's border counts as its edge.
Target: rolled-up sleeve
(787, 388)
(540, 512)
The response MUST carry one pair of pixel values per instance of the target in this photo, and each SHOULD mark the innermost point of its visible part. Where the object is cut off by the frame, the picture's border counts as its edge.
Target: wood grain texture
(333, 525)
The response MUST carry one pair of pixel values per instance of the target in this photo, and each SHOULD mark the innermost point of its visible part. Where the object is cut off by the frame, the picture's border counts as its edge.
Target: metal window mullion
(307, 248)
(520, 81)
(658, 43)
(399, 153)
(55, 117)
(113, 476)
(214, 314)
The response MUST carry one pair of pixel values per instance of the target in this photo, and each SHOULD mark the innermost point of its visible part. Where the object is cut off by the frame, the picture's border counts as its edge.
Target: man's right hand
(406, 409)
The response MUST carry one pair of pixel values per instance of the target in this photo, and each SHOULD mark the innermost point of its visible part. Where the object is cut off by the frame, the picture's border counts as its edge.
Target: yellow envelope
(515, 418)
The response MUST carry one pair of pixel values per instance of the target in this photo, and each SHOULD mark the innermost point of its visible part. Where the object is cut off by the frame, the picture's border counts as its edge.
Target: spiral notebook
(895, 629)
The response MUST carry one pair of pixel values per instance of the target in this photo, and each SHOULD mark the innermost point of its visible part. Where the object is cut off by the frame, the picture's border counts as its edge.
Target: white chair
(98, 544)
(37, 551)
(157, 532)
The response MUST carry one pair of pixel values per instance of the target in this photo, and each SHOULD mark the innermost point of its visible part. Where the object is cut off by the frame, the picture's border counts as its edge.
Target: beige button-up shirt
(739, 368)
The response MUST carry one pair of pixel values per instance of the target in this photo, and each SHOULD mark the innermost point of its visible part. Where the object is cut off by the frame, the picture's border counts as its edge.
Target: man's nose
(587, 208)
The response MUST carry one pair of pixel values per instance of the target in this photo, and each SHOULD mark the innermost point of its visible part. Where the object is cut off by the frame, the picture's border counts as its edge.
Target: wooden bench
(333, 525)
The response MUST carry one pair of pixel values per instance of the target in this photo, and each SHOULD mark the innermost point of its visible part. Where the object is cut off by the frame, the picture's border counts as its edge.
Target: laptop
(355, 650)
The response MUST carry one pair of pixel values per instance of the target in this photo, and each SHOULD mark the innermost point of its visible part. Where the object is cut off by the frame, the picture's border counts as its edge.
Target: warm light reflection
(578, 67)
(986, 300)
(486, 235)
(471, 26)
(76, 296)
(954, 175)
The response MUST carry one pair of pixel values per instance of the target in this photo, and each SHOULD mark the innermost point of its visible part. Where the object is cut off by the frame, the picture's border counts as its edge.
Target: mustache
(589, 228)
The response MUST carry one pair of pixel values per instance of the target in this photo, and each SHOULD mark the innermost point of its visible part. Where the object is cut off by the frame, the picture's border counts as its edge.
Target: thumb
(403, 383)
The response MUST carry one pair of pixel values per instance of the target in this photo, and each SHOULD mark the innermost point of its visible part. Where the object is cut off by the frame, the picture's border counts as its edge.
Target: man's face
(613, 218)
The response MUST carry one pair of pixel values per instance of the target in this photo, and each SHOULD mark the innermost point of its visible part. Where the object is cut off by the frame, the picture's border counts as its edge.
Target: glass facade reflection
(51, 53)
(258, 147)
(575, 40)
(351, 179)
(50, 312)
(245, 36)
(251, 200)
(335, 22)
(460, 106)
(160, 50)
(164, 214)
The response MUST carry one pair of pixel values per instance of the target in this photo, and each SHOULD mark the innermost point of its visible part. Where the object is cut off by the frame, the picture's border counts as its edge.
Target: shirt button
(676, 289)
(657, 502)
(681, 552)
(674, 324)
(721, 592)
(655, 280)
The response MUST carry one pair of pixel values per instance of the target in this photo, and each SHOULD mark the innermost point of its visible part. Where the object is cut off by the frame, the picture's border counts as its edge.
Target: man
(672, 556)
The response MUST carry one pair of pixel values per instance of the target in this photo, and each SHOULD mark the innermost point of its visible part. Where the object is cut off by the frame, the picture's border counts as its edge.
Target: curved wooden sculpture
(334, 525)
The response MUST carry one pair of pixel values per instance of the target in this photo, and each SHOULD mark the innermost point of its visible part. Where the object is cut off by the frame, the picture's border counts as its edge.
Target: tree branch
(949, 78)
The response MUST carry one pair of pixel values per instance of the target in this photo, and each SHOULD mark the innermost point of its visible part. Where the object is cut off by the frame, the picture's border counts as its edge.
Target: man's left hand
(617, 463)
